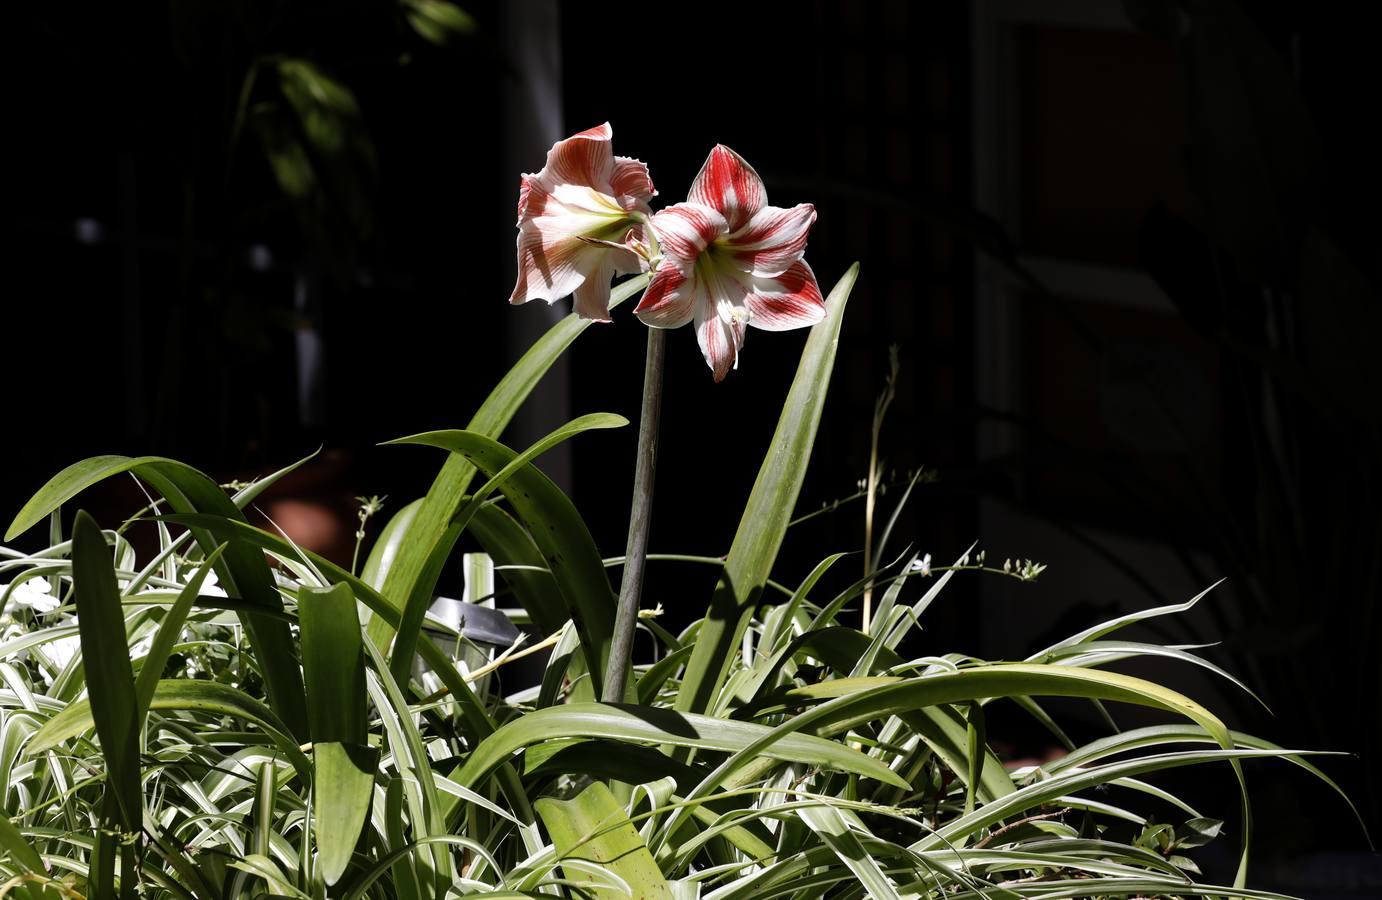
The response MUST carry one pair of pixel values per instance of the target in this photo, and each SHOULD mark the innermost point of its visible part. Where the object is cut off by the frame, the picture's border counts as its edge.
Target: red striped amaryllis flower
(579, 222)
(730, 260)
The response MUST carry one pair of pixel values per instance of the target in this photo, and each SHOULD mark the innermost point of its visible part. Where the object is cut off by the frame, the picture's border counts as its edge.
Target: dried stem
(880, 411)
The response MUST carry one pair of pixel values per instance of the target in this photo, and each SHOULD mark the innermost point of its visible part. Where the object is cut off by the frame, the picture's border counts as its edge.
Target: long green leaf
(516, 469)
(644, 724)
(388, 545)
(448, 491)
(519, 562)
(333, 663)
(1079, 779)
(109, 675)
(558, 531)
(594, 827)
(472, 710)
(1158, 735)
(342, 787)
(833, 829)
(855, 702)
(1005, 680)
(769, 509)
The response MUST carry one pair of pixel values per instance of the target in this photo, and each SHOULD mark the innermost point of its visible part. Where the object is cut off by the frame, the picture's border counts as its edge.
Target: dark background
(1127, 253)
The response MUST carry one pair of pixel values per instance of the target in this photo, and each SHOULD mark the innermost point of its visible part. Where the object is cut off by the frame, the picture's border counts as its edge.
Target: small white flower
(922, 565)
(62, 651)
(210, 588)
(36, 594)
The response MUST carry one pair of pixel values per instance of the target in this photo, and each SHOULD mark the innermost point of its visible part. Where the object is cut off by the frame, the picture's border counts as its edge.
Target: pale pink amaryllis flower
(730, 260)
(577, 220)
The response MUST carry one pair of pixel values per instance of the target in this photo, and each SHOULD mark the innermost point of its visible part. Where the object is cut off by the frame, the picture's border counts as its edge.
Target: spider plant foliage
(234, 716)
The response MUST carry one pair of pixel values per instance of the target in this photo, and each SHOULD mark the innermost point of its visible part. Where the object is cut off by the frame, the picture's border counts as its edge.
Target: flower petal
(631, 183)
(790, 300)
(591, 299)
(550, 269)
(584, 159)
(685, 229)
(670, 298)
(773, 239)
(523, 188)
(720, 337)
(729, 184)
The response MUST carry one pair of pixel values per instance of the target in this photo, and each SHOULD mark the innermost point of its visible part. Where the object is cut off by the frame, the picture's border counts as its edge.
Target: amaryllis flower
(731, 260)
(576, 220)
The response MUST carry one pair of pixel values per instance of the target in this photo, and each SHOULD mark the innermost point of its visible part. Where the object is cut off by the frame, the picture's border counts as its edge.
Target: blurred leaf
(438, 21)
(769, 509)
(321, 155)
(312, 92)
(288, 158)
(594, 827)
(21, 854)
(109, 675)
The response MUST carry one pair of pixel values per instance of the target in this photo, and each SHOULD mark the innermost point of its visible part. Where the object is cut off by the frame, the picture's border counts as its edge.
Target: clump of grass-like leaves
(236, 717)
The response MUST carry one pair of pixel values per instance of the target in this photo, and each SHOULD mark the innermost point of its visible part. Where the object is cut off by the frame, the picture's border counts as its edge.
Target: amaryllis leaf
(558, 531)
(516, 469)
(768, 511)
(448, 491)
(519, 562)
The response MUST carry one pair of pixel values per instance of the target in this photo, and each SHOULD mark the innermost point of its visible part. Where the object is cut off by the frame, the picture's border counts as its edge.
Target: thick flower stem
(640, 518)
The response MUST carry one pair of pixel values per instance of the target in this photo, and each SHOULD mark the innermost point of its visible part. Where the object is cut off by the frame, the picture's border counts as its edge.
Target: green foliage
(774, 749)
